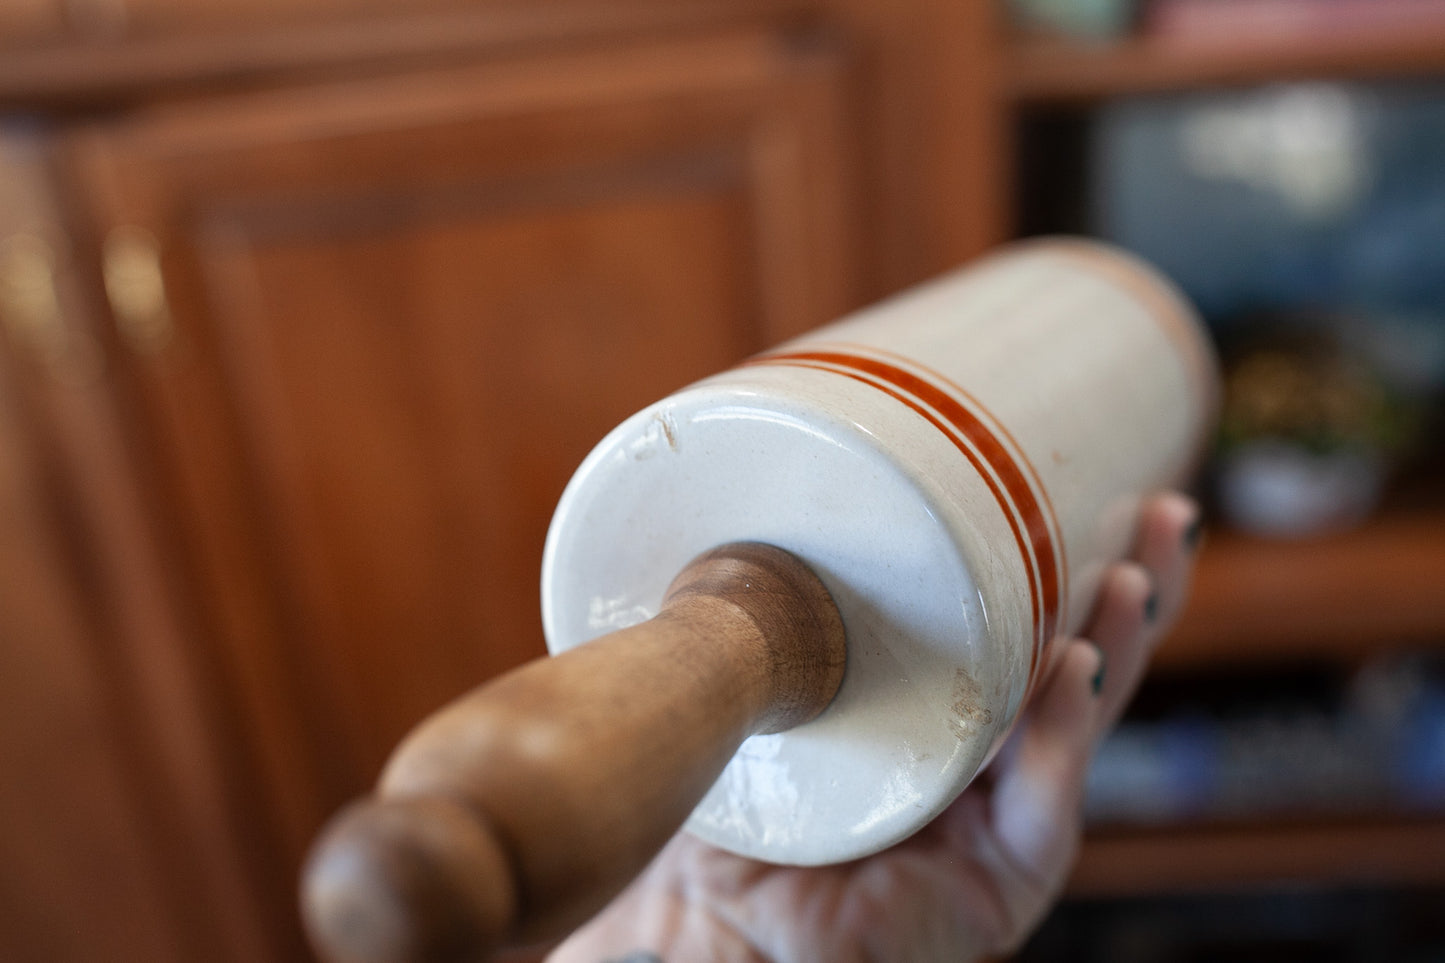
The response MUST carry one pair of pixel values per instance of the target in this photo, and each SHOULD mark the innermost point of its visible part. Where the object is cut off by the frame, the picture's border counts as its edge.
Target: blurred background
(310, 308)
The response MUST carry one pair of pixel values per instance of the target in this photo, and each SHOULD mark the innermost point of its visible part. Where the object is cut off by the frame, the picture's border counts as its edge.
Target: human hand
(972, 883)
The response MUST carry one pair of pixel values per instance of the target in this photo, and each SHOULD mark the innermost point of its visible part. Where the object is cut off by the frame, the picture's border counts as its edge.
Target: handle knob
(522, 808)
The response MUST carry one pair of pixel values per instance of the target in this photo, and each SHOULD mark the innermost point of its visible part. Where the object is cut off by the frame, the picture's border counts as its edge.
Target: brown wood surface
(404, 310)
(118, 832)
(27, 22)
(175, 46)
(936, 145)
(1379, 850)
(1042, 71)
(1348, 596)
(185, 17)
(520, 810)
(152, 17)
(81, 866)
(927, 89)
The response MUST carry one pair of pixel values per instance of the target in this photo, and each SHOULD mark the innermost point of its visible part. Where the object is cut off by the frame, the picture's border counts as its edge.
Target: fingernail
(1193, 533)
(1097, 682)
(1151, 607)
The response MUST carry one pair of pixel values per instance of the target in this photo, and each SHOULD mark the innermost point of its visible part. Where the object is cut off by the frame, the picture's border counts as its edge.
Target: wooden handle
(518, 811)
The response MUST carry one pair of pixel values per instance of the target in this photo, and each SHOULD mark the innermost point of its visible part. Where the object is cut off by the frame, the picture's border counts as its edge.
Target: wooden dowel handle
(519, 810)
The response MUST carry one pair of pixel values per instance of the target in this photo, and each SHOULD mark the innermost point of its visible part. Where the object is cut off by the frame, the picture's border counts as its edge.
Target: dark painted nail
(1151, 607)
(1097, 682)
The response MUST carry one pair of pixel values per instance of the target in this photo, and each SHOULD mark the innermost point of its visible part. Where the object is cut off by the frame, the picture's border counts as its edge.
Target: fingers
(1168, 537)
(1037, 796)
(1140, 599)
(1121, 629)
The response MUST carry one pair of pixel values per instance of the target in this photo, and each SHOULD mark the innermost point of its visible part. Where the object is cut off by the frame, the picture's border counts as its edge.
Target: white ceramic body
(958, 465)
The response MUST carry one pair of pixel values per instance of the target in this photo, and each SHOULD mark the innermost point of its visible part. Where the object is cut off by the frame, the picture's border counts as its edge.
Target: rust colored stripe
(998, 428)
(968, 453)
(1036, 547)
(969, 426)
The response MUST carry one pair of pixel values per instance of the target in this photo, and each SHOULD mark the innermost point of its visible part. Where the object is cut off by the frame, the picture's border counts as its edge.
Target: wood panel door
(119, 835)
(73, 817)
(74, 822)
(376, 325)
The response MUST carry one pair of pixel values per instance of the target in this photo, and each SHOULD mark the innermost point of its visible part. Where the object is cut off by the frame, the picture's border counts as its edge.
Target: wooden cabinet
(379, 323)
(120, 835)
(79, 817)
(327, 342)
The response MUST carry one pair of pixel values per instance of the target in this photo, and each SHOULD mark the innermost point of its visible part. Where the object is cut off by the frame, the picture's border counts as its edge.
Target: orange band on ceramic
(989, 457)
(999, 429)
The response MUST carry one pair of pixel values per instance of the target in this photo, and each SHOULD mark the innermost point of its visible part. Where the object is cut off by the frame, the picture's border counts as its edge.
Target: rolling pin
(794, 608)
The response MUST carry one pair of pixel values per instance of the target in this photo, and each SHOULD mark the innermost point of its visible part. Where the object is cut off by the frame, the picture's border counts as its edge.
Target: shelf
(1175, 859)
(1379, 587)
(259, 49)
(1042, 71)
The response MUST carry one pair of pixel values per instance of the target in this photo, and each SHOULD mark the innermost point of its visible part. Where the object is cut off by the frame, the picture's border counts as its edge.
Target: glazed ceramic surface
(957, 465)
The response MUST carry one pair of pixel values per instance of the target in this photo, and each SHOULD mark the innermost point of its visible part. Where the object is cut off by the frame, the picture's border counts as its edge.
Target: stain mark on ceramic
(967, 702)
(660, 432)
(669, 430)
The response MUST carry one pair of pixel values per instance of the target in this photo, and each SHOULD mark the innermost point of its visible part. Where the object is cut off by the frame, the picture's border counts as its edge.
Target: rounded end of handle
(401, 880)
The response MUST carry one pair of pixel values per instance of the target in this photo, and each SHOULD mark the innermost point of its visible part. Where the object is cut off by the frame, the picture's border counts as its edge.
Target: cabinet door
(72, 818)
(118, 839)
(377, 325)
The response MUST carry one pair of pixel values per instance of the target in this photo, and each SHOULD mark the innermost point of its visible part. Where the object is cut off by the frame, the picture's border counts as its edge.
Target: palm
(951, 891)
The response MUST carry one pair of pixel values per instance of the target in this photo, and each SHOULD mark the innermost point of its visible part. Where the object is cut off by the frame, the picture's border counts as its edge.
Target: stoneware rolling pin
(795, 607)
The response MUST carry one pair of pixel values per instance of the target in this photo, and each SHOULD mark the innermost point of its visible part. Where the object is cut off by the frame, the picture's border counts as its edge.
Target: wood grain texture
(25, 22)
(118, 832)
(80, 867)
(937, 142)
(1054, 72)
(405, 309)
(124, 51)
(1346, 596)
(521, 809)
